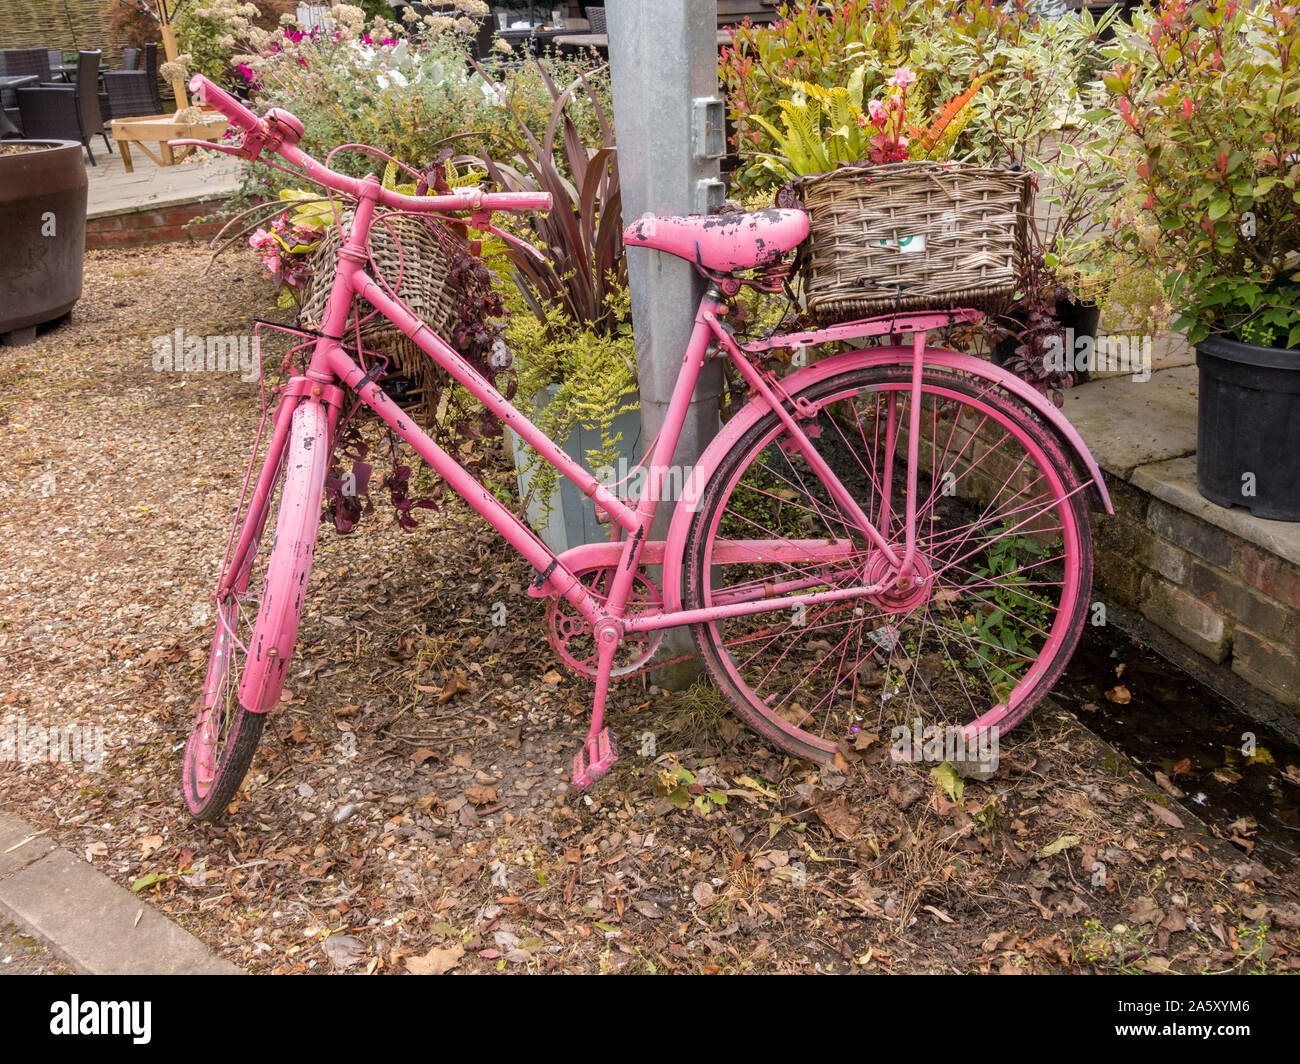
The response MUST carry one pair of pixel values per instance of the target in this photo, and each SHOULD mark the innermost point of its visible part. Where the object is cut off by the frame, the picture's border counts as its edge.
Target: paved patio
(113, 190)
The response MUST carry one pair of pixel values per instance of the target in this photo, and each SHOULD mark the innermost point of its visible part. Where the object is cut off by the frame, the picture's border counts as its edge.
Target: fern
(935, 139)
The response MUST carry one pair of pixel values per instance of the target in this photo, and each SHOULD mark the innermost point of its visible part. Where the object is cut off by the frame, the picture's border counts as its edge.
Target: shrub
(1209, 94)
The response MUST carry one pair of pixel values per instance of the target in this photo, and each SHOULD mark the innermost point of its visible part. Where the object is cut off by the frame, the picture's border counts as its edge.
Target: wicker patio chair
(596, 16)
(18, 61)
(66, 112)
(135, 92)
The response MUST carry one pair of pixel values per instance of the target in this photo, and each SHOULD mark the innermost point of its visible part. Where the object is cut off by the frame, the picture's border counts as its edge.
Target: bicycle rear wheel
(997, 601)
(258, 608)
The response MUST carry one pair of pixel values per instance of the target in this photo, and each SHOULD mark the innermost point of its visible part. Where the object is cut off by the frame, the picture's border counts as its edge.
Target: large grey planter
(572, 518)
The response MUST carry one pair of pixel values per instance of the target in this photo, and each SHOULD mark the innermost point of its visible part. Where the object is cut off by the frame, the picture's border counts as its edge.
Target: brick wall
(178, 221)
(1231, 601)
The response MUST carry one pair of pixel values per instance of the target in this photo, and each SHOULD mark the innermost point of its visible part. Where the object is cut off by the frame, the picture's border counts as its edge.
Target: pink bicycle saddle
(722, 243)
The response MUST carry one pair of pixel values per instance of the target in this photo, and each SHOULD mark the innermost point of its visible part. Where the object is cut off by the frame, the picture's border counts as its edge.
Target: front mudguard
(675, 544)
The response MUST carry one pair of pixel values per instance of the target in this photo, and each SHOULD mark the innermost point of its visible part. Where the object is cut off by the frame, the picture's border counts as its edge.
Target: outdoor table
(11, 82)
(159, 129)
(543, 37)
(67, 71)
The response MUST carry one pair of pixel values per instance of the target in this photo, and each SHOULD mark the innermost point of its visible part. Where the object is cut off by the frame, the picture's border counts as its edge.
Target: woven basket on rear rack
(420, 255)
(911, 236)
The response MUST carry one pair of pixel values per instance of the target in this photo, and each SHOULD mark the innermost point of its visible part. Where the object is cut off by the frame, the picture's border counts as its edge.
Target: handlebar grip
(212, 94)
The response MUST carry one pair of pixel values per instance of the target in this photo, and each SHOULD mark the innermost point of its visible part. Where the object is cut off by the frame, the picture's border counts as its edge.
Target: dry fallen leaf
(835, 815)
(482, 795)
(1119, 694)
(1164, 814)
(436, 961)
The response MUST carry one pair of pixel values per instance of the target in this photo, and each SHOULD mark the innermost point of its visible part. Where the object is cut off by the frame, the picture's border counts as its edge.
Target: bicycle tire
(211, 776)
(759, 710)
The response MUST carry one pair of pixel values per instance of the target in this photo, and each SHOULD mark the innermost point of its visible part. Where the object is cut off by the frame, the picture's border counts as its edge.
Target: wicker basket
(913, 235)
(420, 255)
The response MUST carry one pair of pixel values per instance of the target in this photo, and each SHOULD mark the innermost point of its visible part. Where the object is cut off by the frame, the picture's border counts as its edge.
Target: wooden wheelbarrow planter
(159, 129)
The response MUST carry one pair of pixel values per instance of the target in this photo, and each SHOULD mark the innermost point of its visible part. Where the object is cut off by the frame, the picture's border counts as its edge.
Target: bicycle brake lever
(489, 228)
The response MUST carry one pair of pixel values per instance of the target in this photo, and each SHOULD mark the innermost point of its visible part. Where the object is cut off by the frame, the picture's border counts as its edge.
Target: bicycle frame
(330, 363)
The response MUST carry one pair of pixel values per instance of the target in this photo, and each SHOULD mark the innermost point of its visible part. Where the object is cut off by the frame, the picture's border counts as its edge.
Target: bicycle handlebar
(262, 132)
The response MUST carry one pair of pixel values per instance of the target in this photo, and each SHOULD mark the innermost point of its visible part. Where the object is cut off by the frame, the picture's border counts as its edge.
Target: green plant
(1209, 93)
(946, 47)
(593, 375)
(407, 88)
(1005, 618)
(679, 786)
(575, 331)
(822, 128)
(582, 233)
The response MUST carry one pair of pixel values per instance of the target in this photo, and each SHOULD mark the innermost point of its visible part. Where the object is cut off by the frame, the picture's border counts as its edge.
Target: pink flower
(903, 77)
(876, 112)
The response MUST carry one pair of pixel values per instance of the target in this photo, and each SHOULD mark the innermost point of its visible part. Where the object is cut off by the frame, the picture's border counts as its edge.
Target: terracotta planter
(43, 219)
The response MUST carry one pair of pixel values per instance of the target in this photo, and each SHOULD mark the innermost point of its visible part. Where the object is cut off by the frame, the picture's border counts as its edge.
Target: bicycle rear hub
(903, 594)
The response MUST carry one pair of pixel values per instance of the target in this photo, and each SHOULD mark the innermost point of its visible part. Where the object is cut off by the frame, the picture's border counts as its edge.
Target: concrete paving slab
(93, 924)
(1127, 422)
(20, 844)
(1174, 482)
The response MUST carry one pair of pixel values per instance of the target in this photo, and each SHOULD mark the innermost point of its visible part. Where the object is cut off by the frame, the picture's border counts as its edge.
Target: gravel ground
(408, 809)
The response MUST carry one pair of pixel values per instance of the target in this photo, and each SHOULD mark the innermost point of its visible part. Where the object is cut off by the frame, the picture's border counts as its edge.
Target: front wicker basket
(912, 236)
(413, 258)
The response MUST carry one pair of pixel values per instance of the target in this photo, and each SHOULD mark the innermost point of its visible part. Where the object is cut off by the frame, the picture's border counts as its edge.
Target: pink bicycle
(830, 586)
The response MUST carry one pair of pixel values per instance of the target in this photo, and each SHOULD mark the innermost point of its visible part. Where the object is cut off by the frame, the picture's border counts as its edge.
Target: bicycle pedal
(595, 759)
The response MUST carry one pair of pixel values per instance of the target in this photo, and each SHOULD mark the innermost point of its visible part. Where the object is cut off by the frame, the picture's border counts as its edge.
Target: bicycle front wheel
(993, 608)
(258, 607)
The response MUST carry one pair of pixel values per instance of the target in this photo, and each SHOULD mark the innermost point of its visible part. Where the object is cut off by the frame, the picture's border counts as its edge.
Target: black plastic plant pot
(1084, 320)
(1248, 432)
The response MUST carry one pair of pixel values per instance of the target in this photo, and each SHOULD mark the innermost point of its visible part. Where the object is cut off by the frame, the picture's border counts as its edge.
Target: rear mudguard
(675, 545)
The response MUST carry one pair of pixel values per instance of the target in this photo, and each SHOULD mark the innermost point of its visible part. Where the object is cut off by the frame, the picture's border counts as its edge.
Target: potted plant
(1211, 170)
(996, 85)
(570, 329)
(43, 216)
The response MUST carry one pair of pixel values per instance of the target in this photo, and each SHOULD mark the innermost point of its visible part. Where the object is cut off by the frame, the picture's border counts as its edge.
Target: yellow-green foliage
(821, 127)
(595, 375)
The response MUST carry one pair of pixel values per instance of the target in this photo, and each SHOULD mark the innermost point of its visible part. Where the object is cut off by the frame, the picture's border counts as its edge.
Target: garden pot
(571, 521)
(43, 219)
(1083, 319)
(1248, 428)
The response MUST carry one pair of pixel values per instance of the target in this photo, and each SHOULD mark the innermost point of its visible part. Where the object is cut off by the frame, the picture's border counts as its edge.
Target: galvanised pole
(668, 121)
